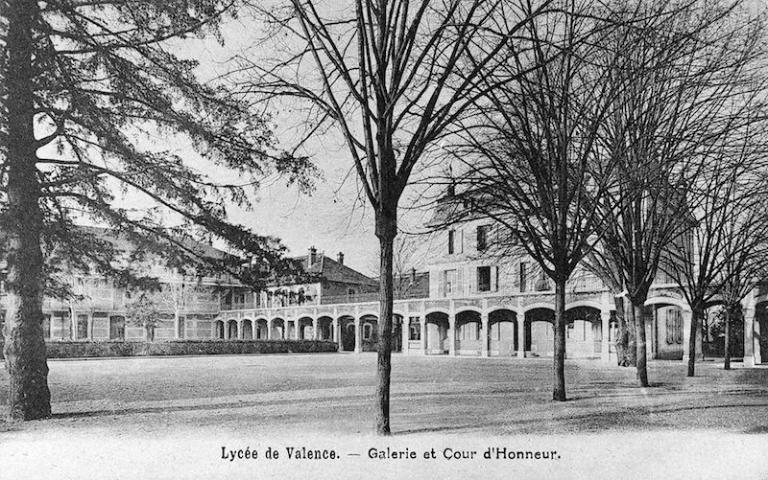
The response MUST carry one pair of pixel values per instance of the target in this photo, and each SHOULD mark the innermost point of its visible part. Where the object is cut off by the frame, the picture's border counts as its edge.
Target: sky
(333, 218)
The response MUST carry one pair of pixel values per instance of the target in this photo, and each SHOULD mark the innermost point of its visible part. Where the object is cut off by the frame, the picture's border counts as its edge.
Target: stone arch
(347, 332)
(304, 328)
(261, 329)
(325, 327)
(218, 329)
(246, 331)
(436, 328)
(232, 329)
(583, 331)
(277, 328)
(468, 327)
(539, 331)
(369, 325)
(503, 332)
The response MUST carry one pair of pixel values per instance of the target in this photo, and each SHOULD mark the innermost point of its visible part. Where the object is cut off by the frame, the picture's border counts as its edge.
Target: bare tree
(532, 155)
(686, 64)
(393, 76)
(721, 254)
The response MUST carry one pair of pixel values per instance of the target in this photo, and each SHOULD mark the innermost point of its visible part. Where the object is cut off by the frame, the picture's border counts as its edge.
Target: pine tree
(84, 83)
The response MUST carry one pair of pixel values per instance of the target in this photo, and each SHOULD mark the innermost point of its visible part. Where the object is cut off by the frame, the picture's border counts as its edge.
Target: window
(674, 326)
(523, 276)
(451, 240)
(449, 282)
(483, 279)
(482, 237)
(82, 326)
(117, 327)
(367, 331)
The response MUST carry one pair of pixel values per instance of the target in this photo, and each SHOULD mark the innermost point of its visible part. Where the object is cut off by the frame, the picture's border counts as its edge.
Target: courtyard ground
(170, 417)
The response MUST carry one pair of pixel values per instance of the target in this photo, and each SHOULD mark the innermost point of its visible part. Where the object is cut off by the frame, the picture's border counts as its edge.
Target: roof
(330, 270)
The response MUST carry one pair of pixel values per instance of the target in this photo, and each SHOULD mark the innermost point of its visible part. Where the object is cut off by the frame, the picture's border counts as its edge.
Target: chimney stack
(312, 256)
(340, 258)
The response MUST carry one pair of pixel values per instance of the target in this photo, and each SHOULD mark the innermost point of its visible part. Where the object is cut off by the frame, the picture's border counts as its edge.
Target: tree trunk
(24, 349)
(626, 349)
(727, 344)
(558, 391)
(696, 314)
(641, 355)
(386, 230)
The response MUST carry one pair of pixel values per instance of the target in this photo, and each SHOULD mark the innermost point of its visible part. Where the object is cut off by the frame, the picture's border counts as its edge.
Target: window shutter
(459, 282)
(460, 240)
(472, 284)
(441, 284)
(494, 279)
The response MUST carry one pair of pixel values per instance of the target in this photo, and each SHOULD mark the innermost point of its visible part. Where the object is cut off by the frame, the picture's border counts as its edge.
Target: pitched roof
(333, 271)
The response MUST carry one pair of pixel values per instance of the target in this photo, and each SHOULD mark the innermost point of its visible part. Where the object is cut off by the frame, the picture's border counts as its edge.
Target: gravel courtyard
(322, 396)
(334, 392)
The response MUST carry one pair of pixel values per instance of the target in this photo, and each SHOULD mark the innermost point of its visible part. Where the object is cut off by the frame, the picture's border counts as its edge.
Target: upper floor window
(483, 279)
(448, 281)
(482, 237)
(451, 242)
(523, 276)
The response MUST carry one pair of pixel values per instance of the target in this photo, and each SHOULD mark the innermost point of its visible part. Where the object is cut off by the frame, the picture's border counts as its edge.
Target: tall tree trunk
(727, 344)
(386, 230)
(696, 314)
(626, 349)
(642, 355)
(558, 391)
(24, 349)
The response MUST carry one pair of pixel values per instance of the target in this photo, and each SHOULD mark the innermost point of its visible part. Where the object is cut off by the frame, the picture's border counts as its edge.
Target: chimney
(340, 257)
(312, 259)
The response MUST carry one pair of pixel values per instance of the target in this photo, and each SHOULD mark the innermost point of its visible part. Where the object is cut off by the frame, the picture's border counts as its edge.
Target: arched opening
(502, 326)
(583, 332)
(218, 331)
(369, 325)
(232, 330)
(247, 330)
(305, 328)
(437, 333)
(347, 327)
(397, 333)
(278, 329)
(539, 332)
(468, 331)
(325, 328)
(261, 329)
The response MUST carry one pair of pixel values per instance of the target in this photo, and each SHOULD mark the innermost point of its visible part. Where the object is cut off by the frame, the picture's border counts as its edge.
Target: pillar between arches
(484, 334)
(358, 335)
(452, 334)
(521, 346)
(406, 334)
(605, 344)
(315, 330)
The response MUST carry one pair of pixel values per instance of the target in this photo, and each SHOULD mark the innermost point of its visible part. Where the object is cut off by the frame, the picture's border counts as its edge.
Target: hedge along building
(188, 305)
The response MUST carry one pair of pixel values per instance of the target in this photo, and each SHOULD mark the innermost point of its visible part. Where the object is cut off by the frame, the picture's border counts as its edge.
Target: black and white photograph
(456, 239)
